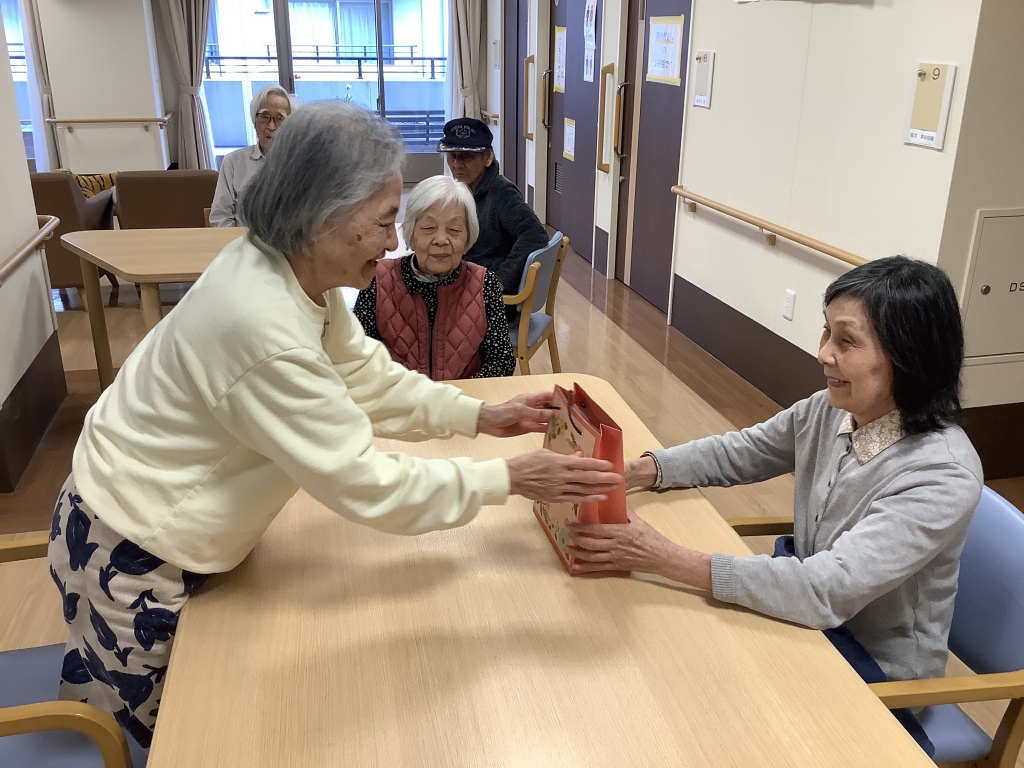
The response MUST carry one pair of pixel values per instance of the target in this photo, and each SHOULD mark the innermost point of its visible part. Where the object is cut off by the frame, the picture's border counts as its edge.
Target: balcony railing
(359, 61)
(16, 53)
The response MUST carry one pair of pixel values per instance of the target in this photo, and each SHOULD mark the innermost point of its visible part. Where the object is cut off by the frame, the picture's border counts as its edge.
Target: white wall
(101, 56)
(490, 87)
(26, 321)
(612, 51)
(538, 44)
(806, 130)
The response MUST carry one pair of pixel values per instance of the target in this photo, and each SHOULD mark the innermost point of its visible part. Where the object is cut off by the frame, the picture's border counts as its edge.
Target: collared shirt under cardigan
(879, 518)
(509, 229)
(248, 391)
(235, 171)
(496, 358)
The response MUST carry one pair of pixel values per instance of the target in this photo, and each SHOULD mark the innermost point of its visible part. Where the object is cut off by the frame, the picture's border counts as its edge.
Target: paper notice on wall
(589, 39)
(569, 143)
(559, 60)
(665, 49)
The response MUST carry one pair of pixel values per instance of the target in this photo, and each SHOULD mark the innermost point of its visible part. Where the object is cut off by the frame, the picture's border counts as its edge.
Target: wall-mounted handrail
(46, 226)
(527, 133)
(161, 122)
(607, 71)
(773, 229)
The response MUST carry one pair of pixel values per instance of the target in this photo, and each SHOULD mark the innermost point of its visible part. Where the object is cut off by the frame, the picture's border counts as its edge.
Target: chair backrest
(58, 194)
(547, 258)
(988, 618)
(164, 199)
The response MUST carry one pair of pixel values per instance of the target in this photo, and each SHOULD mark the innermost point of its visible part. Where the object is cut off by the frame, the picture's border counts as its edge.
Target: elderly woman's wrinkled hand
(548, 476)
(519, 416)
(635, 546)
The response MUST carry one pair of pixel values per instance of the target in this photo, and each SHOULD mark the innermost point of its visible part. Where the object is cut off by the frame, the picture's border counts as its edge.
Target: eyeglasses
(263, 117)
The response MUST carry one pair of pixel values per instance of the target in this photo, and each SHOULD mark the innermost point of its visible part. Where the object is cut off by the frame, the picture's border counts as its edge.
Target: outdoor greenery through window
(334, 56)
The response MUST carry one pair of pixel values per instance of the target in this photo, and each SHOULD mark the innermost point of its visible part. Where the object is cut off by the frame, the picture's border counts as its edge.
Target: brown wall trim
(997, 432)
(601, 251)
(787, 374)
(28, 410)
(778, 368)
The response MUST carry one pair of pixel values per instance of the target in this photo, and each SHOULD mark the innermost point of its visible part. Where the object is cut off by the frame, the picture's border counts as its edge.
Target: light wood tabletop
(148, 257)
(335, 645)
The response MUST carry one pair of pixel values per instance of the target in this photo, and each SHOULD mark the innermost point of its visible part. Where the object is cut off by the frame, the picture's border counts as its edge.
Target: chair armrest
(527, 292)
(27, 547)
(86, 719)
(950, 690)
(762, 526)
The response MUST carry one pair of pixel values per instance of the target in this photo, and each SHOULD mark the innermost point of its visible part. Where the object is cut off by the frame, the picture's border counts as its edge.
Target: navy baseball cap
(465, 134)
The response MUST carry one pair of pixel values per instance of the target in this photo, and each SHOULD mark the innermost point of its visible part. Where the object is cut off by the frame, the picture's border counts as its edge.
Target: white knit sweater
(248, 391)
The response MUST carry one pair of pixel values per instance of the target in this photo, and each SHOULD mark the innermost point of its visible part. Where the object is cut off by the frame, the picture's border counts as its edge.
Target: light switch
(788, 304)
(703, 72)
(929, 107)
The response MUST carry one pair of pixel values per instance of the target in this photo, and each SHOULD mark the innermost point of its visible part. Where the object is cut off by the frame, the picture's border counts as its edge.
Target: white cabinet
(994, 299)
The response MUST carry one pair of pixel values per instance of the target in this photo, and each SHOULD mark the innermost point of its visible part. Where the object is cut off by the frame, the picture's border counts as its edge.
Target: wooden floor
(679, 391)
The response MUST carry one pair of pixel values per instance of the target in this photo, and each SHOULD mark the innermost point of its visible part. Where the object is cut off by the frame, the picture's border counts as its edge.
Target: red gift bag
(580, 426)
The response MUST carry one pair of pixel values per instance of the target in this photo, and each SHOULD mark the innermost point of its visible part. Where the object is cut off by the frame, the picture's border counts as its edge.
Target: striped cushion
(93, 183)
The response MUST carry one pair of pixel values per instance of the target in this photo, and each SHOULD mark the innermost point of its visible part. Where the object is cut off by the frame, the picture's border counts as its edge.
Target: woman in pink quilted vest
(435, 313)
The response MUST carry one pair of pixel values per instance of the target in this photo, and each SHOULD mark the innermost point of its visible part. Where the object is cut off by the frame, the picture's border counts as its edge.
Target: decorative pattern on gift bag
(578, 426)
(121, 605)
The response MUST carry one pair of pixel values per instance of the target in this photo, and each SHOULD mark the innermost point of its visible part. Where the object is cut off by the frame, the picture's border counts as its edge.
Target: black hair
(914, 310)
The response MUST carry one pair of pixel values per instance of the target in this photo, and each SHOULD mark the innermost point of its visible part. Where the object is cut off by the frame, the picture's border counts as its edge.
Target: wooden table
(335, 645)
(148, 257)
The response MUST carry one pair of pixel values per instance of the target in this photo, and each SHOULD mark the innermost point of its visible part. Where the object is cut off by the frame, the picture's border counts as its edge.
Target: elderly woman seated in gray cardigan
(886, 480)
(268, 109)
(436, 313)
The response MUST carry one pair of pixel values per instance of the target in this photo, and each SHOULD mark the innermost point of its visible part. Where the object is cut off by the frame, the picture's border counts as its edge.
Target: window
(334, 56)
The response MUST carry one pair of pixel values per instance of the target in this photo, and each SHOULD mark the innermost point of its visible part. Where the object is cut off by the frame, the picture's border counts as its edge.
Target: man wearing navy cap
(509, 229)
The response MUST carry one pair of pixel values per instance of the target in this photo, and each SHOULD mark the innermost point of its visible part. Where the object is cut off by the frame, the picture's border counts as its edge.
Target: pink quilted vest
(453, 350)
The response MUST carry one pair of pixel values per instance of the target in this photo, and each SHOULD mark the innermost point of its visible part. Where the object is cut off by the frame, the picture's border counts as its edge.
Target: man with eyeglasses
(509, 229)
(268, 109)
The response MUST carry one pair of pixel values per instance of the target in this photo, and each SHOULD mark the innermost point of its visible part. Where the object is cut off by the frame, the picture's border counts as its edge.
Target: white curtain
(185, 25)
(35, 56)
(357, 23)
(311, 24)
(466, 55)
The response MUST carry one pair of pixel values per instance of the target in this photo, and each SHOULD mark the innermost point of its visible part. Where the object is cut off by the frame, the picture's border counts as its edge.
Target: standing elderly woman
(259, 383)
(436, 313)
(886, 482)
(268, 109)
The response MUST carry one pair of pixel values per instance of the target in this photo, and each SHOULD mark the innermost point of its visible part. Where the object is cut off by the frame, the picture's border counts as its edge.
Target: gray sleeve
(749, 456)
(223, 212)
(900, 535)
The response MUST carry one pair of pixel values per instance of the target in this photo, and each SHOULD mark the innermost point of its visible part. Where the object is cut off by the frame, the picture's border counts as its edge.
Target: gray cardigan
(878, 543)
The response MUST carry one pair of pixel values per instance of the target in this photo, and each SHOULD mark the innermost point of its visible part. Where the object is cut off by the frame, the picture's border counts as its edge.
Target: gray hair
(268, 90)
(328, 158)
(443, 191)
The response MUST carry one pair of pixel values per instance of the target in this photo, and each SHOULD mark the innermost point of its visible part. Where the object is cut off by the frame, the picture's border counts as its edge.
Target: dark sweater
(509, 229)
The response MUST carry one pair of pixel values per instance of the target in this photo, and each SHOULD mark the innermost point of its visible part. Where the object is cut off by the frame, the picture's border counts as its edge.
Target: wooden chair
(986, 634)
(38, 733)
(537, 291)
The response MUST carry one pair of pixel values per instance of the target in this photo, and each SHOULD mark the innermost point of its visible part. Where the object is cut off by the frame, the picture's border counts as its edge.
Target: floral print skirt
(121, 605)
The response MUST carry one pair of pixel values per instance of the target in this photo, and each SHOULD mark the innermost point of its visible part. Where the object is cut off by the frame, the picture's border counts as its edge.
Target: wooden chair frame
(99, 726)
(525, 297)
(940, 690)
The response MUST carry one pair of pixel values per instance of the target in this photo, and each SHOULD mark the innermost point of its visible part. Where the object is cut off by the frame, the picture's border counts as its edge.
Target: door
(513, 158)
(572, 166)
(649, 150)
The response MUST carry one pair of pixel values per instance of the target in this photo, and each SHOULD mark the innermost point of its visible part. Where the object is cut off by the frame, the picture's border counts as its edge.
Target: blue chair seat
(32, 676)
(539, 323)
(955, 736)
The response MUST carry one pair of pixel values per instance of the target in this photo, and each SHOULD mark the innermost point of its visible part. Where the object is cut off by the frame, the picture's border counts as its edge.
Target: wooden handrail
(527, 133)
(46, 226)
(772, 229)
(85, 121)
(146, 121)
(607, 71)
